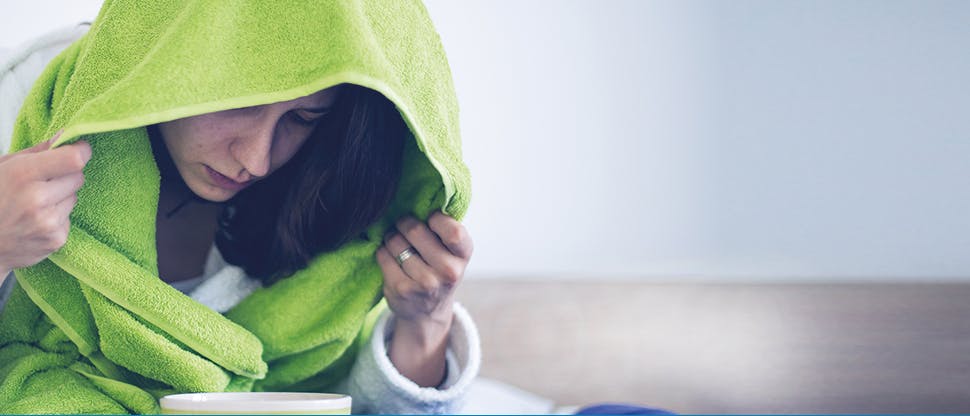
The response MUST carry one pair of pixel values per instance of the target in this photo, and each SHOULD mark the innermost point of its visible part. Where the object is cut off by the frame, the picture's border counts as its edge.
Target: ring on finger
(404, 255)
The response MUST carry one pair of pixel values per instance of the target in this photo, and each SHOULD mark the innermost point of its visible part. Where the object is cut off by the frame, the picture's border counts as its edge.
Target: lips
(224, 181)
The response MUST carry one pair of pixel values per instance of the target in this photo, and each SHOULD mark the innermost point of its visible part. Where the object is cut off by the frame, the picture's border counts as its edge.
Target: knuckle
(452, 273)
(32, 200)
(402, 288)
(36, 219)
(429, 287)
(57, 240)
(50, 224)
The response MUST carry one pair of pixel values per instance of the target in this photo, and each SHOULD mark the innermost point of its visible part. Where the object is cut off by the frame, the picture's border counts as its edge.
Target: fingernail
(90, 151)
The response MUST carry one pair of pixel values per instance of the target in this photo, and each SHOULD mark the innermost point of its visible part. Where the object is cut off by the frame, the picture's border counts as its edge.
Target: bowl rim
(255, 401)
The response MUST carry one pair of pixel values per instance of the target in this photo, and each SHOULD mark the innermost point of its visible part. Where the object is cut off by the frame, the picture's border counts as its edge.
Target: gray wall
(716, 140)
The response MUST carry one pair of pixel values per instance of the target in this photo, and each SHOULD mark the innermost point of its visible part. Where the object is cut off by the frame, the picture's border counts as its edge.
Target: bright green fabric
(92, 328)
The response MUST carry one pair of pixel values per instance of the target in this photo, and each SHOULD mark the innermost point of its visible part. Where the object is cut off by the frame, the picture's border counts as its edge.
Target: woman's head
(311, 173)
(218, 154)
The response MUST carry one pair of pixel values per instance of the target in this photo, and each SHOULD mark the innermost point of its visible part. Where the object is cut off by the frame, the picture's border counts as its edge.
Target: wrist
(417, 349)
(425, 333)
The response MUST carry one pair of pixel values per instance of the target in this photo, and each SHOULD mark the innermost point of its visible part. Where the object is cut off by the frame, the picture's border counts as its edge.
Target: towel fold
(92, 329)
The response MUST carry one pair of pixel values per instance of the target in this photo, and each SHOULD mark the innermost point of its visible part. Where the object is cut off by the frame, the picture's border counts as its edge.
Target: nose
(253, 148)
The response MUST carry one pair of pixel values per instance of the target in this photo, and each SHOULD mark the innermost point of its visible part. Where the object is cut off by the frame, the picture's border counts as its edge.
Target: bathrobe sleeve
(377, 387)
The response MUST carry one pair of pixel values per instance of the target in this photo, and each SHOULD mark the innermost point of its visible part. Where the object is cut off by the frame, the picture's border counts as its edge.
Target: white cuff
(377, 387)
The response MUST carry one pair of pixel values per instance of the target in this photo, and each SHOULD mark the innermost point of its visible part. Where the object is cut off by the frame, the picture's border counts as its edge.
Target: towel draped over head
(92, 328)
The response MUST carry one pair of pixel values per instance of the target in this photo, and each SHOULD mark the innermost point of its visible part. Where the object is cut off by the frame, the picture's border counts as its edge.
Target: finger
(395, 280)
(58, 189)
(61, 161)
(433, 251)
(414, 267)
(452, 234)
(64, 208)
(42, 146)
(418, 234)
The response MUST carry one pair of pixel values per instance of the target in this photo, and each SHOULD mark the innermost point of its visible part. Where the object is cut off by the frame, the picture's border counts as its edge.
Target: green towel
(92, 328)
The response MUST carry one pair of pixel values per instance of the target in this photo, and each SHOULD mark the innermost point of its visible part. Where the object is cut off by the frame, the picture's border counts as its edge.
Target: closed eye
(307, 118)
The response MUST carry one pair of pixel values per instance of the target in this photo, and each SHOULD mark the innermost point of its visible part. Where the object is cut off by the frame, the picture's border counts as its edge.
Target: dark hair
(340, 182)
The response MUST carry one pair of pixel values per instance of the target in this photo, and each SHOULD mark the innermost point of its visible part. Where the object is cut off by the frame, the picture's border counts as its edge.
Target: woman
(275, 145)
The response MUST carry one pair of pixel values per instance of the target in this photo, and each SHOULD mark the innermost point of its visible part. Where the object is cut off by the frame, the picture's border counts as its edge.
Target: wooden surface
(730, 348)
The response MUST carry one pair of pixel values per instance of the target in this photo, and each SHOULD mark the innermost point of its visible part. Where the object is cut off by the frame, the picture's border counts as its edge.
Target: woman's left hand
(421, 288)
(420, 291)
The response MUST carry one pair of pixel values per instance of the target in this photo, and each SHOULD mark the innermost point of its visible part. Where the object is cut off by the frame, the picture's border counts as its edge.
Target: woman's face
(218, 154)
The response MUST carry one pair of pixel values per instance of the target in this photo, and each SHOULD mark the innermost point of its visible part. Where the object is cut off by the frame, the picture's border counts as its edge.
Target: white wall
(21, 21)
(703, 139)
(764, 139)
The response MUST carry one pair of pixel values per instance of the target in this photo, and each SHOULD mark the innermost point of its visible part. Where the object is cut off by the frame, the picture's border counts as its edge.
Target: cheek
(198, 137)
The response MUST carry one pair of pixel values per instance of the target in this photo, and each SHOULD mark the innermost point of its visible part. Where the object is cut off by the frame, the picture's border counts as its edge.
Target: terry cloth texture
(386, 390)
(21, 66)
(92, 329)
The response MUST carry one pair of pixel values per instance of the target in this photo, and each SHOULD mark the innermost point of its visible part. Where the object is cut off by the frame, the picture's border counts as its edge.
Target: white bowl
(256, 403)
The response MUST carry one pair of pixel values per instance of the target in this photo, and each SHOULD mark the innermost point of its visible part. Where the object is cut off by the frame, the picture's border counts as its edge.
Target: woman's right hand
(38, 190)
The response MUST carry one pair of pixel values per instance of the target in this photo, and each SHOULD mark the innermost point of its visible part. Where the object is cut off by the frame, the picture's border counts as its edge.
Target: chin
(211, 193)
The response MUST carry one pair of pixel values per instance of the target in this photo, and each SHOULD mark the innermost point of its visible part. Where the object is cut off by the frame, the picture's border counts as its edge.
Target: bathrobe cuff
(377, 387)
